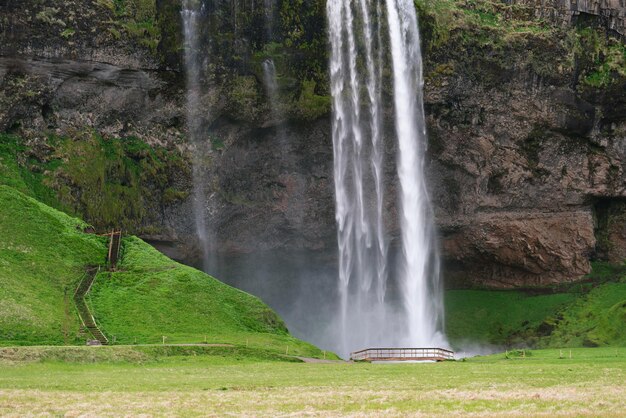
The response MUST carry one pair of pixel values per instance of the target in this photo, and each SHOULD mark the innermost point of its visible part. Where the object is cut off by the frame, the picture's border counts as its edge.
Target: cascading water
(269, 18)
(191, 14)
(361, 239)
(271, 86)
(368, 316)
(420, 282)
(270, 79)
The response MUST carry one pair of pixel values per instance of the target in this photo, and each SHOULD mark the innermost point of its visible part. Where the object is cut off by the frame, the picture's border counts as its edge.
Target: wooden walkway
(402, 354)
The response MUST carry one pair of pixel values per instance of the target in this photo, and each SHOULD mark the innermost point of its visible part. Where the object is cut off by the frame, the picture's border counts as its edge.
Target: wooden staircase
(83, 310)
(85, 284)
(114, 249)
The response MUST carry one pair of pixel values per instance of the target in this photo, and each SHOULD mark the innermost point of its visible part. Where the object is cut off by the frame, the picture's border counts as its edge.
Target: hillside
(45, 254)
(151, 296)
(586, 314)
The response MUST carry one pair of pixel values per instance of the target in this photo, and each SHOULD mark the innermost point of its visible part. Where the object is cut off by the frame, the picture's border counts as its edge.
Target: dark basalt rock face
(608, 13)
(526, 155)
(516, 184)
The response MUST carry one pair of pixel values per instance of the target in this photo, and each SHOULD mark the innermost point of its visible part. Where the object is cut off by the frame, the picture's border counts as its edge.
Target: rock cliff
(527, 125)
(610, 14)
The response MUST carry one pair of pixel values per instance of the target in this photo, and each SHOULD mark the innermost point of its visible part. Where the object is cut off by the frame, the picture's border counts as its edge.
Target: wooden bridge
(402, 354)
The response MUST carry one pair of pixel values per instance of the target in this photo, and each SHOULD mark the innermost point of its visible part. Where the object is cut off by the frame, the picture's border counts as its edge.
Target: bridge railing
(406, 354)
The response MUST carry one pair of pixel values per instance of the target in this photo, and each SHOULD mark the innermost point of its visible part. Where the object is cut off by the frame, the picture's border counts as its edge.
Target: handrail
(404, 348)
(115, 244)
(84, 313)
(432, 353)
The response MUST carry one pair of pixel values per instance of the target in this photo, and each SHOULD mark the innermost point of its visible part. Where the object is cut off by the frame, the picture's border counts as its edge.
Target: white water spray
(270, 79)
(191, 13)
(420, 282)
(367, 315)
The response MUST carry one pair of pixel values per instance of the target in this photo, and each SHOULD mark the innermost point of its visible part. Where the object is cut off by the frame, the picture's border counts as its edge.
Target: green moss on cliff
(602, 59)
(477, 19)
(109, 182)
(501, 37)
(25, 173)
(135, 18)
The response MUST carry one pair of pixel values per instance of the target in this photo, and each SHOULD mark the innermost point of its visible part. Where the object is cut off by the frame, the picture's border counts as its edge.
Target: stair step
(83, 309)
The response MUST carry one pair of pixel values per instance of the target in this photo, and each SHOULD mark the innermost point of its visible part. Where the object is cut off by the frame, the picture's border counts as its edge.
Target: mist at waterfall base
(378, 297)
(301, 286)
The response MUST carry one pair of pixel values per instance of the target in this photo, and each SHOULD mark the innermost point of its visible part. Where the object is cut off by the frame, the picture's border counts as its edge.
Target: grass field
(591, 383)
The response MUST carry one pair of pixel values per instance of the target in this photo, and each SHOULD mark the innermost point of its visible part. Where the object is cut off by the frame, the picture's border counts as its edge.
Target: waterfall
(358, 186)
(270, 6)
(367, 314)
(271, 87)
(271, 83)
(421, 288)
(191, 14)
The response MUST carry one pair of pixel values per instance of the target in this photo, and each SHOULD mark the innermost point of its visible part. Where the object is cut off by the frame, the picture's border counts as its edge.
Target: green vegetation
(596, 319)
(16, 171)
(111, 183)
(140, 354)
(136, 18)
(589, 313)
(502, 318)
(513, 34)
(68, 33)
(485, 40)
(494, 23)
(602, 58)
(151, 296)
(543, 382)
(311, 105)
(45, 254)
(302, 24)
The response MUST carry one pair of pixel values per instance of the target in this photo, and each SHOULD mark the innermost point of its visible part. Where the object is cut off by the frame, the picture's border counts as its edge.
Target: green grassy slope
(43, 256)
(597, 319)
(152, 296)
(592, 313)
(503, 318)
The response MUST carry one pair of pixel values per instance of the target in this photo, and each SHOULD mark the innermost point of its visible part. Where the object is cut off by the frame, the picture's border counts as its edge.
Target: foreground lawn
(592, 382)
